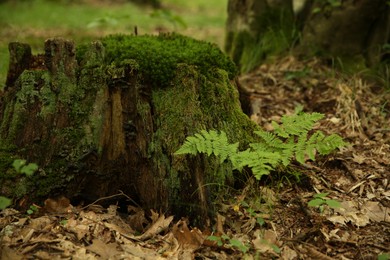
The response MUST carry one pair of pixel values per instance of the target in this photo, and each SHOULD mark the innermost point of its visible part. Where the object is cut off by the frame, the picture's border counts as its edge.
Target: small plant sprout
(20, 166)
(320, 200)
(4, 202)
(33, 209)
(226, 240)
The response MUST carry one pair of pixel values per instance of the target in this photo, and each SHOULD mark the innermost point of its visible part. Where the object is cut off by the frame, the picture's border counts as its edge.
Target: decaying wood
(95, 129)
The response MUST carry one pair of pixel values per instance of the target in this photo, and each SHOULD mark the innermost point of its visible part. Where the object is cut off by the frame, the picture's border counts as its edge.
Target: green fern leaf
(298, 123)
(260, 170)
(311, 144)
(288, 152)
(289, 140)
(271, 139)
(240, 159)
(189, 146)
(208, 141)
(300, 148)
(200, 144)
(330, 143)
(279, 130)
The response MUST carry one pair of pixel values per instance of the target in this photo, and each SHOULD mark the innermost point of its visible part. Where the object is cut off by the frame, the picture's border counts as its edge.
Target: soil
(266, 219)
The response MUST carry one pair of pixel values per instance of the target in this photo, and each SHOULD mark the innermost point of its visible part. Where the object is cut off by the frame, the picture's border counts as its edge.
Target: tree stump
(109, 116)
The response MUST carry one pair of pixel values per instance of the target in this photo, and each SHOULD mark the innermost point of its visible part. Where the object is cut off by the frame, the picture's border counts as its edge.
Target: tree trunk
(354, 32)
(96, 127)
(253, 27)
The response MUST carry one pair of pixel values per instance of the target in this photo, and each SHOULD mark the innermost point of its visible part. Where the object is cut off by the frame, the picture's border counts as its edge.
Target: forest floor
(270, 219)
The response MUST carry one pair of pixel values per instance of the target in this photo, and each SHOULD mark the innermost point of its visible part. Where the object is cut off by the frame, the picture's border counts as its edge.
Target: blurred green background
(34, 21)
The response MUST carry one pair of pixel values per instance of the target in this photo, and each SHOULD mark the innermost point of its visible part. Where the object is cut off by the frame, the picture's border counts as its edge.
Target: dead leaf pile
(269, 219)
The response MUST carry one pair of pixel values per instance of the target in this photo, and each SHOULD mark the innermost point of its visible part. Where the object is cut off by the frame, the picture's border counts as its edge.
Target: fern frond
(209, 142)
(271, 139)
(288, 152)
(189, 146)
(239, 160)
(297, 124)
(261, 162)
(300, 148)
(329, 144)
(311, 144)
(289, 140)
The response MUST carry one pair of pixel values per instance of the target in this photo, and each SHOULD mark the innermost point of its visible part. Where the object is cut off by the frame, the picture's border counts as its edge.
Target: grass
(34, 21)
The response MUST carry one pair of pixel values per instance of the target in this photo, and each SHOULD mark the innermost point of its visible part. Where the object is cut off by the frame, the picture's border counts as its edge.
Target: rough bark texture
(95, 128)
(353, 33)
(356, 28)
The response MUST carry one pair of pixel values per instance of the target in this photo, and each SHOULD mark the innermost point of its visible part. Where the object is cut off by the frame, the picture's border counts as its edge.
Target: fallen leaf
(9, 253)
(188, 239)
(157, 227)
(288, 254)
(105, 251)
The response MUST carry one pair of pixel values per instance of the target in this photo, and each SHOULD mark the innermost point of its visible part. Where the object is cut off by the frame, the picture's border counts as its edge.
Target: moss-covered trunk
(353, 33)
(109, 116)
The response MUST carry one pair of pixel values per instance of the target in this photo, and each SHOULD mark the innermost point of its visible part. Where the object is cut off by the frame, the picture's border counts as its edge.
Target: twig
(110, 197)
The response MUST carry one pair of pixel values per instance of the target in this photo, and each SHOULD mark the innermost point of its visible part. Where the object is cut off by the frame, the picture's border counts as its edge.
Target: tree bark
(356, 29)
(96, 128)
(353, 32)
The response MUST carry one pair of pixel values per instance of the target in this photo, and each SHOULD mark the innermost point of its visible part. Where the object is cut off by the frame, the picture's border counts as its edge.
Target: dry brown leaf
(376, 212)
(157, 227)
(360, 215)
(59, 205)
(105, 251)
(220, 223)
(136, 218)
(188, 239)
(314, 254)
(9, 253)
(154, 217)
(78, 228)
(358, 158)
(288, 254)
(138, 252)
(82, 254)
(264, 241)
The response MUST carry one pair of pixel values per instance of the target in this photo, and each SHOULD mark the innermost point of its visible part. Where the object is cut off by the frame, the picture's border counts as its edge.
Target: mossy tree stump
(108, 116)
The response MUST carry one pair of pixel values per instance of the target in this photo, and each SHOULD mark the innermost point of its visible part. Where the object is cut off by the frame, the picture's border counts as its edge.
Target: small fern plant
(289, 140)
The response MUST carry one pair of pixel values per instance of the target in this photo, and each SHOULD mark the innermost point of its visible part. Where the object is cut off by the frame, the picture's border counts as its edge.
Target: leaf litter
(267, 219)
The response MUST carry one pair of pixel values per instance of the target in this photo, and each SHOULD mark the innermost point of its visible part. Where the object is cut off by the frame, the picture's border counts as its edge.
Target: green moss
(6, 160)
(205, 102)
(158, 56)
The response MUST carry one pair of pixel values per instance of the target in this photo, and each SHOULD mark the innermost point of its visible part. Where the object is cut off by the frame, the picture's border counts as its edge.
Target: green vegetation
(34, 21)
(290, 140)
(22, 168)
(250, 48)
(319, 200)
(327, 5)
(158, 56)
(230, 242)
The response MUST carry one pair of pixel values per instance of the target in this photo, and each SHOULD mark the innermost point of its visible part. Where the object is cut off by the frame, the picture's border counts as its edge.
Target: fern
(296, 124)
(290, 140)
(209, 142)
